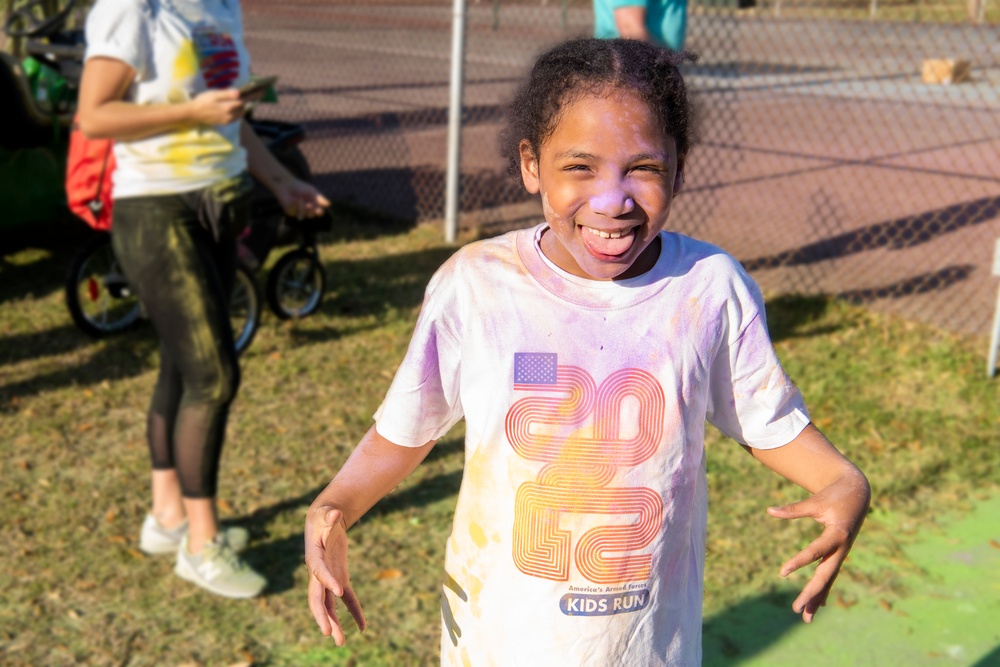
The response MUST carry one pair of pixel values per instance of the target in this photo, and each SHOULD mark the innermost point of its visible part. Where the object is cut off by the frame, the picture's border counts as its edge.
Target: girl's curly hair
(585, 66)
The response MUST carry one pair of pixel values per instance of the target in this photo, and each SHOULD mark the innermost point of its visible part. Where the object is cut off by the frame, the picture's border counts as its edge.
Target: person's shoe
(219, 570)
(155, 540)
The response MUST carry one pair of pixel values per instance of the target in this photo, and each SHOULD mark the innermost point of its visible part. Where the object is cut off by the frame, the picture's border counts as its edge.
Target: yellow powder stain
(475, 587)
(176, 95)
(466, 660)
(477, 534)
(186, 62)
(194, 146)
(477, 467)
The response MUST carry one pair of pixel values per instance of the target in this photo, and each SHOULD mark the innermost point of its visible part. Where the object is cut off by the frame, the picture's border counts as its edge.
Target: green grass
(909, 403)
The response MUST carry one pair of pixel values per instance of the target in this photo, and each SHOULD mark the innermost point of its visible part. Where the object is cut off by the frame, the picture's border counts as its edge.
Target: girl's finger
(800, 510)
(827, 543)
(353, 605)
(814, 594)
(318, 570)
(318, 606)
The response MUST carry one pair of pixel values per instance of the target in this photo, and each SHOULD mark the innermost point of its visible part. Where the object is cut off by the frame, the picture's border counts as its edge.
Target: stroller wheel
(244, 309)
(97, 294)
(295, 284)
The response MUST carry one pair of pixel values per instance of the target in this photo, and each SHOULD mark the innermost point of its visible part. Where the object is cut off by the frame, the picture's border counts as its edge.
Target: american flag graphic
(534, 368)
(220, 62)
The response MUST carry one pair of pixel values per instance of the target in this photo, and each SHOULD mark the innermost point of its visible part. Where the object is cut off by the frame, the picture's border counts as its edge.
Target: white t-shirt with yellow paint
(178, 48)
(579, 531)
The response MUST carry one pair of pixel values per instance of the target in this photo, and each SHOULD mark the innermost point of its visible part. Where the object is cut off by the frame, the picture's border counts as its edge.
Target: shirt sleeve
(121, 30)
(423, 402)
(752, 399)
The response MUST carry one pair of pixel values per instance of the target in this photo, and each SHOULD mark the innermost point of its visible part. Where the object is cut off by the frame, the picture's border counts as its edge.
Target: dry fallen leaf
(885, 604)
(86, 426)
(995, 544)
(391, 573)
(110, 516)
(138, 555)
(841, 601)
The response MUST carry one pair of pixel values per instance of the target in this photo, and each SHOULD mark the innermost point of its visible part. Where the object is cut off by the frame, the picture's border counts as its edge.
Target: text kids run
(586, 355)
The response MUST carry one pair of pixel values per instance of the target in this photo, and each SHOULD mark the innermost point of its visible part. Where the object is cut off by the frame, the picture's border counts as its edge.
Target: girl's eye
(646, 167)
(576, 167)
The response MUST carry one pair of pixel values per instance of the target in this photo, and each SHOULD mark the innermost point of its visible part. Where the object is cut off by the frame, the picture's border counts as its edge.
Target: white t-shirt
(178, 48)
(579, 533)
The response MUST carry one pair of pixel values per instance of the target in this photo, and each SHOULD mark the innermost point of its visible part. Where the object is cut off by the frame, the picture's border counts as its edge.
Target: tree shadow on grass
(992, 659)
(373, 287)
(36, 279)
(794, 316)
(110, 362)
(363, 287)
(744, 630)
(16, 348)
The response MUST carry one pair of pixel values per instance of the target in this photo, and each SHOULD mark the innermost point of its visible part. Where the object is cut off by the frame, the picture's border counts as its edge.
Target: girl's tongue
(597, 242)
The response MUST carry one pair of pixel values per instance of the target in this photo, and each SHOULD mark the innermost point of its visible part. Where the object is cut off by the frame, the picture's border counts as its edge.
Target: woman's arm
(840, 500)
(298, 198)
(631, 22)
(374, 469)
(103, 113)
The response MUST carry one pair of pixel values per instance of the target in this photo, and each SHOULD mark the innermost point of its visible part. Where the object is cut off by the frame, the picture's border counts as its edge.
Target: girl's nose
(612, 200)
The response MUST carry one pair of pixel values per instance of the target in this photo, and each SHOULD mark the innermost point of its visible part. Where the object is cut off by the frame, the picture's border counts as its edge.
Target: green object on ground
(947, 614)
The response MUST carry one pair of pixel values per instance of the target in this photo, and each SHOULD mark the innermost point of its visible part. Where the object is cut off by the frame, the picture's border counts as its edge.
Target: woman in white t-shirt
(161, 79)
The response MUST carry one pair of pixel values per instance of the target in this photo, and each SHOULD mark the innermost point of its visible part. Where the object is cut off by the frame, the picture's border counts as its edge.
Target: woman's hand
(326, 558)
(216, 107)
(300, 199)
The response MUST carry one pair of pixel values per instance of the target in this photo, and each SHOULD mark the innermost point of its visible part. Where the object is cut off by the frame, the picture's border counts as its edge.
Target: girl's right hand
(217, 107)
(326, 559)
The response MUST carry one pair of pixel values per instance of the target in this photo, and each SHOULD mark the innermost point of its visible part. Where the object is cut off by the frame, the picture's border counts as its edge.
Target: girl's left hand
(840, 508)
(300, 199)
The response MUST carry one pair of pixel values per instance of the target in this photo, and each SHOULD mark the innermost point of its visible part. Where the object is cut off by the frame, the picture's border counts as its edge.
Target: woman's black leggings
(182, 270)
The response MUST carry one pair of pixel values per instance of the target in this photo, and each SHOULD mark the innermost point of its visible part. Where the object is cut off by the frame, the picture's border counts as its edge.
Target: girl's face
(607, 175)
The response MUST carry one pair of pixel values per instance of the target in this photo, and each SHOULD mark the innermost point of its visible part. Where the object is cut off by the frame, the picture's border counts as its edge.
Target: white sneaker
(219, 570)
(155, 540)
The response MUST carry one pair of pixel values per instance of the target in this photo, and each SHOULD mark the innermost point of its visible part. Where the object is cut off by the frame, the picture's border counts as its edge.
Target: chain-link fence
(834, 157)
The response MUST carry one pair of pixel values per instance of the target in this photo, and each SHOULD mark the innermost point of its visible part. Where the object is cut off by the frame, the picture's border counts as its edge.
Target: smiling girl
(586, 355)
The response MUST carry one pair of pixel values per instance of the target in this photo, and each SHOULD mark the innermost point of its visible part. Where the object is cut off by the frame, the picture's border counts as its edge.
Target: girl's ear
(529, 167)
(679, 177)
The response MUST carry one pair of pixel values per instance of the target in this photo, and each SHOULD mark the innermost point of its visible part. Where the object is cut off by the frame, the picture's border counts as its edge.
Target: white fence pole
(454, 121)
(991, 364)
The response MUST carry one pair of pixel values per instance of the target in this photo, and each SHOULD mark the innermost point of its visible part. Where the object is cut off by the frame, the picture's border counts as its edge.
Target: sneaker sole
(183, 571)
